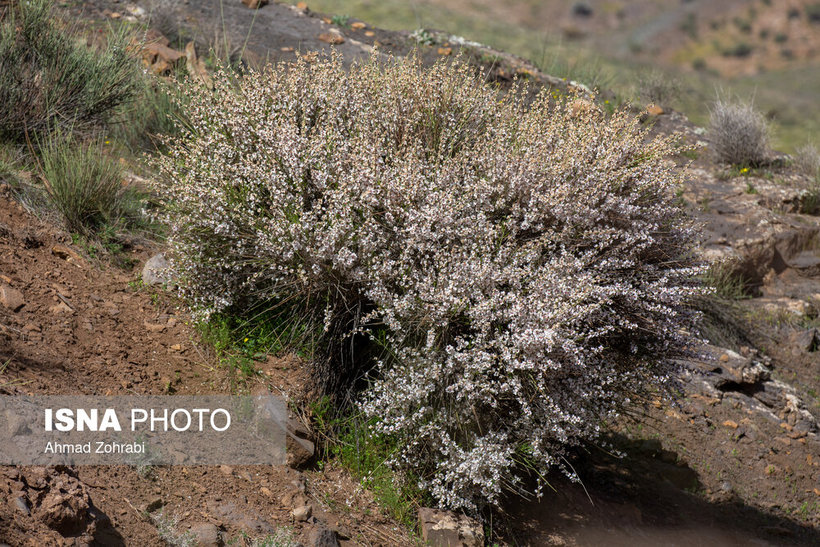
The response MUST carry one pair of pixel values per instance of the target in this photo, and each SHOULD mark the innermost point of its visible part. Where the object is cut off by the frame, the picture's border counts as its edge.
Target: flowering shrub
(523, 264)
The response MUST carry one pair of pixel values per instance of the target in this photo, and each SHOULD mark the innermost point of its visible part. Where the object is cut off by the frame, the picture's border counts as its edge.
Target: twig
(65, 300)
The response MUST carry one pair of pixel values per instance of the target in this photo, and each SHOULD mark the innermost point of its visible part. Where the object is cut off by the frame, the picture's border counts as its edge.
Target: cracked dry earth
(734, 460)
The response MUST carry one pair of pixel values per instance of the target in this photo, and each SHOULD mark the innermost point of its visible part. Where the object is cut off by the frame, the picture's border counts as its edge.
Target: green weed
(353, 443)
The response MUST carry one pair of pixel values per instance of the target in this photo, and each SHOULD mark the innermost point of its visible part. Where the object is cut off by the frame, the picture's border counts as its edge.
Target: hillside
(753, 48)
(734, 459)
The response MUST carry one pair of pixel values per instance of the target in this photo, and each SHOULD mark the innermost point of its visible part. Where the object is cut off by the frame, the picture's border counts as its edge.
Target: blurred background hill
(765, 50)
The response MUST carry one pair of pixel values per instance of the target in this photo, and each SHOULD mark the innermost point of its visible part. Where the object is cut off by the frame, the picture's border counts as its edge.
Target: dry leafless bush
(739, 133)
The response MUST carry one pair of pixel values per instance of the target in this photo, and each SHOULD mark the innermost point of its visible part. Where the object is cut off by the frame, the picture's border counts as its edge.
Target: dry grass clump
(739, 133)
(807, 159)
(522, 267)
(50, 81)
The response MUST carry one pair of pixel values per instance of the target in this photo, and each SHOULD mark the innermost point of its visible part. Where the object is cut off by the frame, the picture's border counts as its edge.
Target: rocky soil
(733, 460)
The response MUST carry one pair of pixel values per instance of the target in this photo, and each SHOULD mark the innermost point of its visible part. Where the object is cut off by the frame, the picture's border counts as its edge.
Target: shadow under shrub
(49, 80)
(523, 266)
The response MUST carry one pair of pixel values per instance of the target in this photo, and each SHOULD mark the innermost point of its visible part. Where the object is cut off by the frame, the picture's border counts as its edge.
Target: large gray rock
(157, 270)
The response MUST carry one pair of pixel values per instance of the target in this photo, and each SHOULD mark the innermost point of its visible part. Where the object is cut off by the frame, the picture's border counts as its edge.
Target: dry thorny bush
(522, 265)
(739, 133)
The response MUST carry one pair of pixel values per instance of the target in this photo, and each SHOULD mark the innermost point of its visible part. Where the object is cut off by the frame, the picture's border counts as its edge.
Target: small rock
(153, 327)
(730, 423)
(226, 470)
(65, 512)
(160, 58)
(654, 110)
(445, 51)
(21, 504)
(206, 534)
(255, 4)
(153, 35)
(341, 531)
(332, 38)
(61, 251)
(299, 445)
(11, 298)
(157, 270)
(16, 424)
(59, 309)
(154, 505)
(358, 25)
(302, 513)
(322, 537)
(806, 340)
(448, 529)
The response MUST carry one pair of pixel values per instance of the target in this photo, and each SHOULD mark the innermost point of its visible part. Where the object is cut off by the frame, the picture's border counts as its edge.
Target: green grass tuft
(85, 185)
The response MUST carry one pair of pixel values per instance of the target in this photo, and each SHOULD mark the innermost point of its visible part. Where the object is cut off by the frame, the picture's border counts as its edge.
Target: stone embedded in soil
(654, 110)
(157, 270)
(61, 308)
(11, 298)
(65, 512)
(299, 445)
(332, 38)
(61, 251)
(302, 513)
(321, 536)
(206, 534)
(246, 518)
(153, 327)
(21, 504)
(447, 529)
(255, 4)
(793, 306)
(807, 340)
